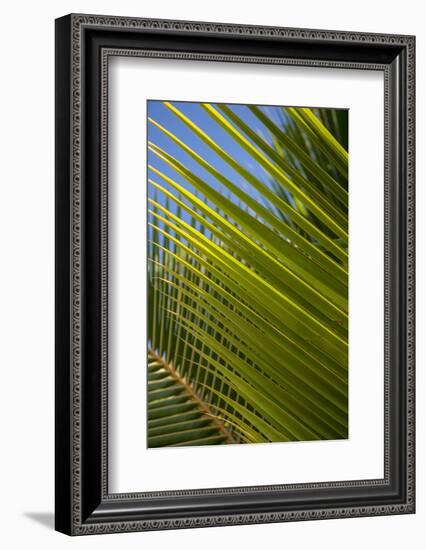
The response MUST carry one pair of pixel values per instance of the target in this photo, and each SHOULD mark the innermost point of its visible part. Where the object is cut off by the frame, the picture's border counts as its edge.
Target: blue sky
(195, 112)
(161, 114)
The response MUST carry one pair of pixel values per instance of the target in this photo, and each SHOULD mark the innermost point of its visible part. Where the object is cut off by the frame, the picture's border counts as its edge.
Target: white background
(26, 300)
(132, 81)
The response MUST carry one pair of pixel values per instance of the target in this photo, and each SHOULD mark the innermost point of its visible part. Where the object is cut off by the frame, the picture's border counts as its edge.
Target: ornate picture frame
(84, 45)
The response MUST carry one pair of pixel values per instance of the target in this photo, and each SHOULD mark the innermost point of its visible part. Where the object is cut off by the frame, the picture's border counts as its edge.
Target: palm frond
(247, 276)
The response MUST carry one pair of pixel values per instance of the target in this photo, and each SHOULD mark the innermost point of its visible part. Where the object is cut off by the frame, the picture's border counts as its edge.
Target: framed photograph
(234, 274)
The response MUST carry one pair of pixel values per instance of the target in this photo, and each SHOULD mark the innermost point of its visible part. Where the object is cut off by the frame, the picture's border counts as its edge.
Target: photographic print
(247, 274)
(215, 282)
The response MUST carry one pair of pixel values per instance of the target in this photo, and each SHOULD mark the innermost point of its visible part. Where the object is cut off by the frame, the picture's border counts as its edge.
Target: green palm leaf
(176, 415)
(247, 277)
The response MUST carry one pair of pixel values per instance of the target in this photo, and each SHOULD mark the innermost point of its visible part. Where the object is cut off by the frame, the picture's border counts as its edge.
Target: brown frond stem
(189, 390)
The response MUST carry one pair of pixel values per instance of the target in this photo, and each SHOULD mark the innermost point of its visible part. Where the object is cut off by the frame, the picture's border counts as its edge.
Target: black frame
(83, 45)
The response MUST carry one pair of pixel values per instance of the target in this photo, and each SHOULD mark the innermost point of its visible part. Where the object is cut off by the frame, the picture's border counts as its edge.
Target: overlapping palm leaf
(247, 282)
